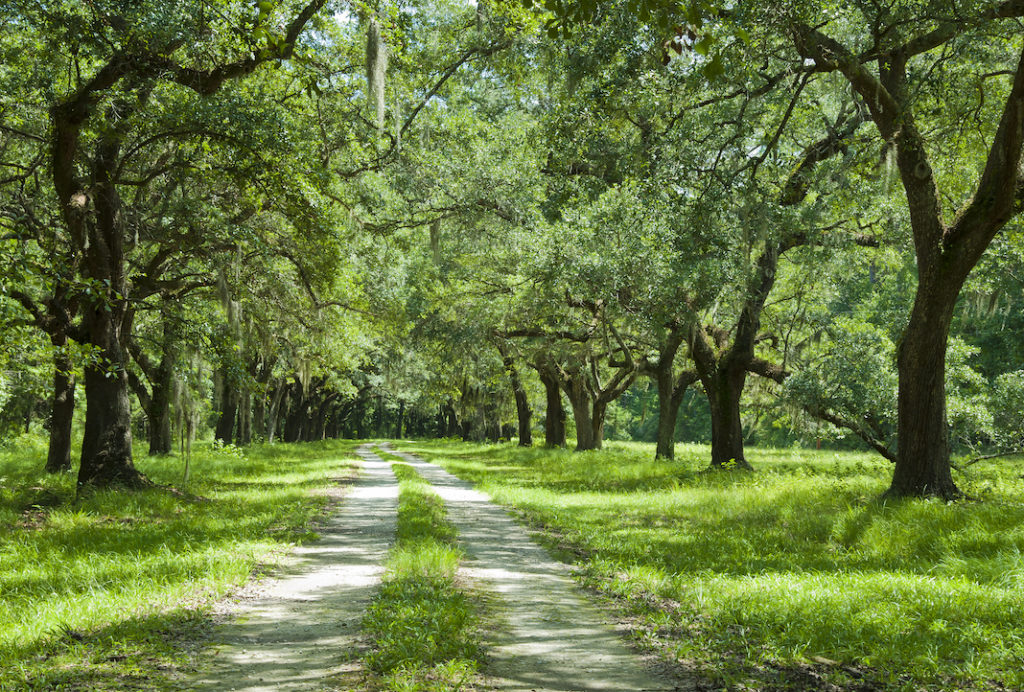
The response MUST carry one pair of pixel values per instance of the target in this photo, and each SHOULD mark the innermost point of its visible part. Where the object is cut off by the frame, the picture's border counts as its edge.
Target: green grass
(109, 591)
(787, 576)
(422, 626)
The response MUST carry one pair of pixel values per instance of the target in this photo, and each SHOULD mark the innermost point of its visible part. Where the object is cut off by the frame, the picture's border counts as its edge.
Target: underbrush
(423, 627)
(794, 577)
(109, 590)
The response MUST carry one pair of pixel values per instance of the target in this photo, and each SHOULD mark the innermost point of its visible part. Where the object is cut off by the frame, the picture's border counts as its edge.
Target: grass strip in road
(793, 577)
(423, 628)
(112, 591)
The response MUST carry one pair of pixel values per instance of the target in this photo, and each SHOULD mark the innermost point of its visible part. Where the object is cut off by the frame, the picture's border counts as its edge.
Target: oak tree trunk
(554, 411)
(107, 442)
(923, 448)
(58, 457)
(724, 390)
(668, 414)
(582, 412)
(229, 409)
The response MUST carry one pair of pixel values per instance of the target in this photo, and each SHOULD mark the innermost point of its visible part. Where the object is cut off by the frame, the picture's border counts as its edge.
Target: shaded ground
(292, 632)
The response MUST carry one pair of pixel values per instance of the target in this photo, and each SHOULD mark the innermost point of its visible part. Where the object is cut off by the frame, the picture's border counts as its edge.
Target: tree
(883, 68)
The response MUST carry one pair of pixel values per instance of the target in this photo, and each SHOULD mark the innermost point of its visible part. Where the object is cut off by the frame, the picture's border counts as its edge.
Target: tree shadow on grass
(148, 652)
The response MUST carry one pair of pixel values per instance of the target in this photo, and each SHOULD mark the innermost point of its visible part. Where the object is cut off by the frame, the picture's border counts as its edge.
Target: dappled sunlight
(550, 638)
(90, 564)
(800, 559)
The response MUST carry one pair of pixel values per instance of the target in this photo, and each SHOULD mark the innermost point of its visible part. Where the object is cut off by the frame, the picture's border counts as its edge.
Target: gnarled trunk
(107, 442)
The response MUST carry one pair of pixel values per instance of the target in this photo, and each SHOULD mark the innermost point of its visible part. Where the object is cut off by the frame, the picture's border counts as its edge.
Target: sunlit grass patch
(798, 567)
(423, 627)
(93, 590)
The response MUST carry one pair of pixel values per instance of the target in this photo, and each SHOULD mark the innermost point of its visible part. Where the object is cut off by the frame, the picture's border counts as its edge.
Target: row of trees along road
(302, 219)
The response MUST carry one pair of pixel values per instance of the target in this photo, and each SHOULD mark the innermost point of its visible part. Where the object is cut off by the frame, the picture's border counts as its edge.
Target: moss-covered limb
(423, 626)
(794, 574)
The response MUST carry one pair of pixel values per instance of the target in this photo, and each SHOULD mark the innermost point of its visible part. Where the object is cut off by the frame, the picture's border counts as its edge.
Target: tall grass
(105, 591)
(792, 574)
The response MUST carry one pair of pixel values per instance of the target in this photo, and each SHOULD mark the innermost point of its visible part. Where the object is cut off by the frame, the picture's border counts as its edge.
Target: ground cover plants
(114, 589)
(422, 626)
(794, 577)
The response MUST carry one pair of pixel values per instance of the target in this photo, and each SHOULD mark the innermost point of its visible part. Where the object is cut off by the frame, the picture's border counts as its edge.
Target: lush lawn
(793, 576)
(423, 627)
(108, 591)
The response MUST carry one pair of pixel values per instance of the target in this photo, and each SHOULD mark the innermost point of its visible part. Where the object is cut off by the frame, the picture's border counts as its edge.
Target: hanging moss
(376, 69)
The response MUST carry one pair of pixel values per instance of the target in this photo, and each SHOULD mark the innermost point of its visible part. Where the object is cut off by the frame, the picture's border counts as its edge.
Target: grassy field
(110, 591)
(423, 628)
(794, 577)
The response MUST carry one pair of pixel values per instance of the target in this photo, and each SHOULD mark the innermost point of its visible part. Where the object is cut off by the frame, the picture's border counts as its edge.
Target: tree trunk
(724, 389)
(245, 417)
(452, 425)
(294, 423)
(668, 414)
(582, 412)
(923, 449)
(159, 413)
(259, 412)
(492, 425)
(600, 408)
(58, 457)
(523, 411)
(229, 408)
(401, 420)
(275, 410)
(524, 414)
(554, 412)
(107, 442)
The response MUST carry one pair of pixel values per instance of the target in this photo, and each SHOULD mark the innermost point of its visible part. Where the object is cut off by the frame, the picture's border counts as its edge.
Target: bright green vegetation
(112, 591)
(423, 626)
(764, 576)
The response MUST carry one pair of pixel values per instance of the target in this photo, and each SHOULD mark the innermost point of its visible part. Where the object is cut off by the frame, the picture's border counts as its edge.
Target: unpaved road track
(552, 638)
(295, 630)
(298, 629)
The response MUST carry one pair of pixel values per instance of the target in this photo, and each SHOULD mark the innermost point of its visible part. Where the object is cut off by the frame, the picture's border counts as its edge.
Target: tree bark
(297, 415)
(922, 445)
(554, 410)
(274, 414)
(524, 413)
(245, 417)
(724, 391)
(670, 398)
(159, 414)
(107, 442)
(58, 456)
(668, 414)
(575, 387)
(229, 408)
